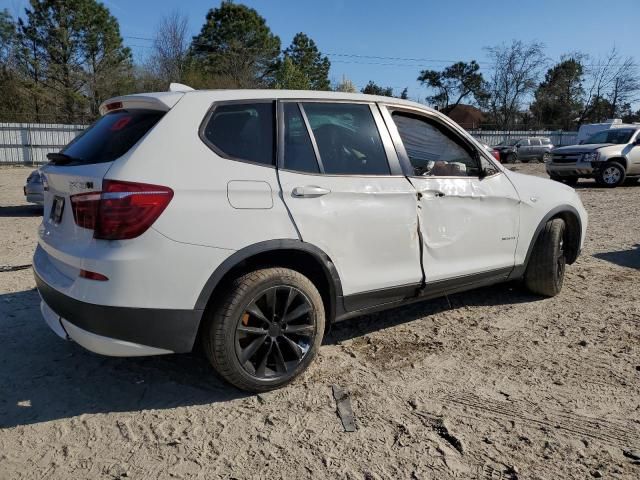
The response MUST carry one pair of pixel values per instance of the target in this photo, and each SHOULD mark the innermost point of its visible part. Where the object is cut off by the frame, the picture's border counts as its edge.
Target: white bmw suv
(250, 220)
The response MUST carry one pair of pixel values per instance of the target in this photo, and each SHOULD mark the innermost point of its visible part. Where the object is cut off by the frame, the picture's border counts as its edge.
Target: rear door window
(298, 150)
(347, 138)
(534, 142)
(111, 137)
(242, 131)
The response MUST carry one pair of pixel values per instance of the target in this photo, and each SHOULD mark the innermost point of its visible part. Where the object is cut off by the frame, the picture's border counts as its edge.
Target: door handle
(431, 194)
(309, 191)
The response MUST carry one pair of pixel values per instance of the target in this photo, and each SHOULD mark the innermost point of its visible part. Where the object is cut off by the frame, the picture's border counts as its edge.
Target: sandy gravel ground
(490, 384)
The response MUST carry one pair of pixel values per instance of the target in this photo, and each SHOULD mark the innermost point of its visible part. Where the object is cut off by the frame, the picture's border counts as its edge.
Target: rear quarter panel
(201, 213)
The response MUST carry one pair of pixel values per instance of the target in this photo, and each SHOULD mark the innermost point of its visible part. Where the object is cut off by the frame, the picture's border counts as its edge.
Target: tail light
(122, 210)
(496, 154)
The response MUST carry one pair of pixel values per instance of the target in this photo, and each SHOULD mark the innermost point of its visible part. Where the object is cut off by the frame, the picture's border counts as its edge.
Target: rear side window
(112, 136)
(534, 142)
(298, 150)
(348, 139)
(242, 131)
(546, 141)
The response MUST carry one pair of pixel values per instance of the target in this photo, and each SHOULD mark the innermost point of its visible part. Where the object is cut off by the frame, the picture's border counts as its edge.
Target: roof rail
(179, 87)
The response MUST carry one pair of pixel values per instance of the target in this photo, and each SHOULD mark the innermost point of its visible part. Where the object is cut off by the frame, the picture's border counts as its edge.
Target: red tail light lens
(85, 209)
(123, 210)
(496, 154)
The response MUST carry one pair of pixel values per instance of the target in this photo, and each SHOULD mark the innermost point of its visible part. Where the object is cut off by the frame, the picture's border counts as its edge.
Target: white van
(585, 131)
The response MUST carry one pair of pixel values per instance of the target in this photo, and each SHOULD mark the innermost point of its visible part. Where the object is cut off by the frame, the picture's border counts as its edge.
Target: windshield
(508, 143)
(617, 136)
(111, 136)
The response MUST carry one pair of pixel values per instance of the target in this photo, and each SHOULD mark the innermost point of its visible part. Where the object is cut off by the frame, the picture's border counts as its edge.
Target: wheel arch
(573, 232)
(303, 257)
(621, 160)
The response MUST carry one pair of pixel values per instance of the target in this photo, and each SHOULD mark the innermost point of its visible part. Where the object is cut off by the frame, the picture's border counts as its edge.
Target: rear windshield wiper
(57, 158)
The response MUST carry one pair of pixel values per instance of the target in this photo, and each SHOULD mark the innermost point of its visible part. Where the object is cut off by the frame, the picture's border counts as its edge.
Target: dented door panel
(367, 225)
(467, 225)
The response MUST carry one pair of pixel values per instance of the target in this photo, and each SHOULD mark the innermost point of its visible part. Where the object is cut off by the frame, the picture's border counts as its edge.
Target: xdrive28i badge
(79, 186)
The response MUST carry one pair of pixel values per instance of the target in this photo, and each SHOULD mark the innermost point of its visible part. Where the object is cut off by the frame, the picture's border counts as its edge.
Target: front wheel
(571, 181)
(545, 270)
(266, 331)
(611, 175)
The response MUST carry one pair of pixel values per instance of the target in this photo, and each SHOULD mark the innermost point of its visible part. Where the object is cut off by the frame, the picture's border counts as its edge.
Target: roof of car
(171, 98)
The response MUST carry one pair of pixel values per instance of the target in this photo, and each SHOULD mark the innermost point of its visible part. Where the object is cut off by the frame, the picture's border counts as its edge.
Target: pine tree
(236, 43)
(72, 54)
(305, 56)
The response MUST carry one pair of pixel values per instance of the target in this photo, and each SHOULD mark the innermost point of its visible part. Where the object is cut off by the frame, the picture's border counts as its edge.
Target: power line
(372, 57)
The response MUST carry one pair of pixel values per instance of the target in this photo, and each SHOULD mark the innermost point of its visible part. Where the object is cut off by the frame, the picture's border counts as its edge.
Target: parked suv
(609, 156)
(250, 220)
(524, 149)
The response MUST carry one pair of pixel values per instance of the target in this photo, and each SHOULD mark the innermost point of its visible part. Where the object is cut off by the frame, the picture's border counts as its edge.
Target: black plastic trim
(519, 270)
(359, 301)
(173, 330)
(268, 246)
(377, 300)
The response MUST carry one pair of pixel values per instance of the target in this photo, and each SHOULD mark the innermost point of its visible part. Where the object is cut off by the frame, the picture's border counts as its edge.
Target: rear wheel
(266, 330)
(611, 175)
(510, 158)
(545, 270)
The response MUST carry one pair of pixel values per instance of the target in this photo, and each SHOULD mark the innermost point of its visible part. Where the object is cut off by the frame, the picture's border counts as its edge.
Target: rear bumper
(118, 331)
(33, 195)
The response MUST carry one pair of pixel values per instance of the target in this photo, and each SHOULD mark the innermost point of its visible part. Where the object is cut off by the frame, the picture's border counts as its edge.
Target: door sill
(368, 302)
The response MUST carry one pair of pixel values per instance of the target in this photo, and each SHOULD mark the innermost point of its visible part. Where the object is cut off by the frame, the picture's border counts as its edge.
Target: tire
(510, 158)
(571, 181)
(611, 175)
(546, 267)
(243, 325)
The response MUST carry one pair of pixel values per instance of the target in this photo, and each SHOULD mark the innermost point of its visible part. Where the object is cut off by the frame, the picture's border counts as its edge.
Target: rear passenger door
(343, 185)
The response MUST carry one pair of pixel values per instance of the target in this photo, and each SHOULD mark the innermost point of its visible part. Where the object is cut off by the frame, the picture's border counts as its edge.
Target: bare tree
(345, 85)
(170, 47)
(517, 68)
(611, 81)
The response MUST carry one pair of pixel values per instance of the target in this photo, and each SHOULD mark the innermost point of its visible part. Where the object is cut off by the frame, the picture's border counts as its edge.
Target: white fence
(29, 143)
(558, 138)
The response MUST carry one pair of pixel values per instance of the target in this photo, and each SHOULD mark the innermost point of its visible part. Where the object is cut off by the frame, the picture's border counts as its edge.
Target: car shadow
(43, 377)
(624, 258)
(500, 294)
(21, 211)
